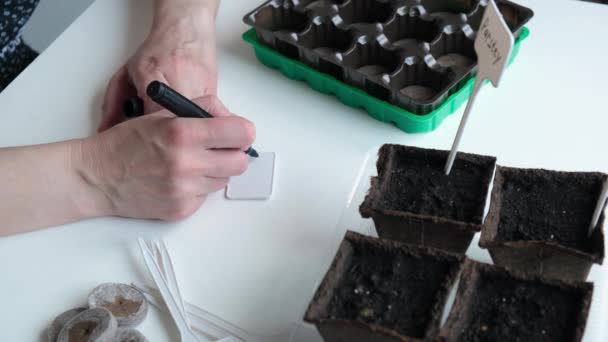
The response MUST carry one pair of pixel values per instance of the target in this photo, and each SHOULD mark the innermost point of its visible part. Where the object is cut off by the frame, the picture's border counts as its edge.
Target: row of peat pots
(536, 230)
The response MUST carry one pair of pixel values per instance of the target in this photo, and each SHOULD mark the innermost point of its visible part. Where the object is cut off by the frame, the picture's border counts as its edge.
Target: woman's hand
(157, 166)
(179, 51)
(162, 167)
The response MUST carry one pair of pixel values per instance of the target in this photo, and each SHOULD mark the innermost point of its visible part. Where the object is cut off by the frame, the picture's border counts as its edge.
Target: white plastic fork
(207, 324)
(164, 276)
(163, 259)
(213, 326)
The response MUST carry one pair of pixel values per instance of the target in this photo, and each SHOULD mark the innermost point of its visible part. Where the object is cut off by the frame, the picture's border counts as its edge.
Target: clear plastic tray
(217, 328)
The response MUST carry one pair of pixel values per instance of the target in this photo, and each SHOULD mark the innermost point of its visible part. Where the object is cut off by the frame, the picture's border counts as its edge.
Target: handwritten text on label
(490, 41)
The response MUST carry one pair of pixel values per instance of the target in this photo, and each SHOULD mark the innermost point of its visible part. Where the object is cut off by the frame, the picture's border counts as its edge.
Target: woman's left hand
(179, 51)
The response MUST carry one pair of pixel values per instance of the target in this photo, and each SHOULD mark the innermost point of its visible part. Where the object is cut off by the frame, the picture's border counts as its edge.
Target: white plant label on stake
(493, 47)
(598, 208)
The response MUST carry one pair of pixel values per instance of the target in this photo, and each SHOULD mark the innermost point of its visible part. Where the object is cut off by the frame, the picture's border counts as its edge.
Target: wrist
(183, 34)
(184, 19)
(186, 6)
(86, 162)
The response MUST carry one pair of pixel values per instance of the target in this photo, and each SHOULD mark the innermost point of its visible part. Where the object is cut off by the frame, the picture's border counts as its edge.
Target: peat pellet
(60, 321)
(129, 335)
(455, 60)
(92, 325)
(125, 302)
(418, 92)
(372, 70)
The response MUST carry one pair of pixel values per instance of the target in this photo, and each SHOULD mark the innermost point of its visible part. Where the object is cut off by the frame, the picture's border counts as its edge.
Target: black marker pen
(173, 102)
(133, 107)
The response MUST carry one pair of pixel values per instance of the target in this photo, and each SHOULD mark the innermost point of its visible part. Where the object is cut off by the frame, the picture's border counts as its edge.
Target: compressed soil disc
(130, 335)
(125, 302)
(92, 325)
(60, 321)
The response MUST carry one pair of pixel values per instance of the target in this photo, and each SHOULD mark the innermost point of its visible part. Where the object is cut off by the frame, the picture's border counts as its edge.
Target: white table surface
(255, 263)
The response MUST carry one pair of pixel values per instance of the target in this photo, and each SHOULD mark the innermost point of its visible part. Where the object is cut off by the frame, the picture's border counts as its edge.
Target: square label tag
(256, 182)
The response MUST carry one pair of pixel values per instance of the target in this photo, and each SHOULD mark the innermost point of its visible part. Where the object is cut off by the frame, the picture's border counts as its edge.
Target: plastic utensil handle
(170, 276)
(163, 259)
(165, 293)
(214, 326)
(205, 327)
(164, 289)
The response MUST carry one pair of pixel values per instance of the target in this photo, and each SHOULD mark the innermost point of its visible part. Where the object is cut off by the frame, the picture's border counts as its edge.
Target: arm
(42, 185)
(157, 166)
(180, 50)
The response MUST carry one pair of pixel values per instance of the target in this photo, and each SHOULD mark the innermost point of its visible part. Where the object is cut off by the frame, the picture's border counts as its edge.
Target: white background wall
(50, 19)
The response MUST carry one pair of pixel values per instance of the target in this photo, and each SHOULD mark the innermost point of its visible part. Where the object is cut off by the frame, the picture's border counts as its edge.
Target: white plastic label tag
(493, 45)
(256, 182)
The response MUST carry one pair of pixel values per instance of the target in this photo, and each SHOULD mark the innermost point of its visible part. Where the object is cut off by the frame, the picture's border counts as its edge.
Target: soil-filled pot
(496, 304)
(539, 220)
(413, 201)
(380, 290)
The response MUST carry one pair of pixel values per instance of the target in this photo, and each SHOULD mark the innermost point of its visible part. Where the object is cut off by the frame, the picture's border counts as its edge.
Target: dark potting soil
(548, 206)
(415, 182)
(523, 311)
(390, 288)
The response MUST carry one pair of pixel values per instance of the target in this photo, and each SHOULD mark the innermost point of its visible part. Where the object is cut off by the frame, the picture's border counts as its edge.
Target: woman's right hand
(163, 167)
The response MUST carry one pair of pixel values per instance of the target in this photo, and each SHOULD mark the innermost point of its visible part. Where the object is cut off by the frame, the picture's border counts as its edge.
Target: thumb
(117, 91)
(213, 105)
(141, 82)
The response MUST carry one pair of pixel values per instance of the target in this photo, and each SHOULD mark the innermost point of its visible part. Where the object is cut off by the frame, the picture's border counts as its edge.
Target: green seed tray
(354, 97)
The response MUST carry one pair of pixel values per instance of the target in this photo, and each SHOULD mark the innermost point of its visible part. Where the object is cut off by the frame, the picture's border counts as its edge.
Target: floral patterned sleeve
(15, 55)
